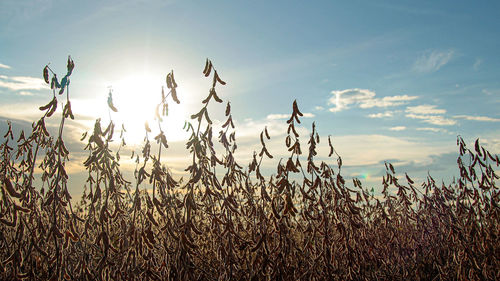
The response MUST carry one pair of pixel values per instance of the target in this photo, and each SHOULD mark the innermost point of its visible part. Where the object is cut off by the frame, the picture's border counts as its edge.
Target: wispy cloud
(431, 129)
(477, 118)
(398, 128)
(363, 98)
(17, 83)
(429, 114)
(386, 114)
(387, 101)
(319, 108)
(25, 93)
(425, 109)
(433, 119)
(286, 116)
(433, 61)
(491, 92)
(4, 66)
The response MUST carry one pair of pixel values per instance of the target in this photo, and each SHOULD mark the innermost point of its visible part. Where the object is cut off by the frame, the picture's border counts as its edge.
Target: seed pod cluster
(224, 220)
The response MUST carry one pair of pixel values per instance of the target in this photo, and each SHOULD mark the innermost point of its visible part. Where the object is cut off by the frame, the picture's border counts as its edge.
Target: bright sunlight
(136, 98)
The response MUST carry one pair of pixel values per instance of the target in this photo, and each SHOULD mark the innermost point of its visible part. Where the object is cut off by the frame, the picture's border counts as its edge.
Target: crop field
(227, 221)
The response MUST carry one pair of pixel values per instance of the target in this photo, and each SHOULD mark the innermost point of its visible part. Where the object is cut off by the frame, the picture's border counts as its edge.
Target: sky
(390, 81)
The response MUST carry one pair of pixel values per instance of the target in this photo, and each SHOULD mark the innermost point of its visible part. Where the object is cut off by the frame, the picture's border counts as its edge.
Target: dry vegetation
(226, 221)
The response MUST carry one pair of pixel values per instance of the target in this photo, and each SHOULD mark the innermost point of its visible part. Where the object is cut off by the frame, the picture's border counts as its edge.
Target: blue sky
(388, 80)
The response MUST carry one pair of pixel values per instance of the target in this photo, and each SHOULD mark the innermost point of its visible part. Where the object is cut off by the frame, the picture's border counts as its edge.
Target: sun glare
(136, 98)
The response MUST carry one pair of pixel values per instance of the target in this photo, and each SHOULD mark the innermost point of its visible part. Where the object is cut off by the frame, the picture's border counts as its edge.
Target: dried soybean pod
(208, 67)
(296, 108)
(174, 96)
(174, 85)
(53, 108)
(259, 243)
(22, 209)
(151, 218)
(267, 153)
(220, 80)
(408, 179)
(228, 109)
(70, 65)
(45, 107)
(216, 97)
(46, 74)
(331, 147)
(169, 81)
(10, 223)
(207, 118)
(10, 189)
(84, 136)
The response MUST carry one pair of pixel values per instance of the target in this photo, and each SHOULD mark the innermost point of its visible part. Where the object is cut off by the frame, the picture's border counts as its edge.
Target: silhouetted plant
(229, 221)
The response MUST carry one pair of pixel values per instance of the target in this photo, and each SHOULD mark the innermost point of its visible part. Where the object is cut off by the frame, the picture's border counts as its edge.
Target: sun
(136, 98)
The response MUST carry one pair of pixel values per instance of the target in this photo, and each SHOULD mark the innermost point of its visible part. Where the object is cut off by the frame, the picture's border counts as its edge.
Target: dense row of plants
(226, 221)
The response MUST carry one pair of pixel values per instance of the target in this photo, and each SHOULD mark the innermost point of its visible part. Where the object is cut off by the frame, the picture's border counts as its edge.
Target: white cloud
(398, 128)
(431, 129)
(17, 83)
(429, 114)
(387, 101)
(433, 119)
(364, 98)
(433, 61)
(381, 114)
(4, 66)
(343, 98)
(425, 109)
(477, 118)
(319, 108)
(277, 116)
(286, 116)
